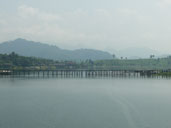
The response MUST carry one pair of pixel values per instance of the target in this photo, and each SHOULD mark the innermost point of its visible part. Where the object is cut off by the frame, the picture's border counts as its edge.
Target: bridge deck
(81, 72)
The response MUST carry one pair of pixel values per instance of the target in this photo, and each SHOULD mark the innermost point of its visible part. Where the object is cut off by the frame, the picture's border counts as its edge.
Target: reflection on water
(66, 102)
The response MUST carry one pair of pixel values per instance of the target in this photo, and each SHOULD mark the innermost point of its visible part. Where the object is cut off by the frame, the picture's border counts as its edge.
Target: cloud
(70, 28)
(127, 11)
(80, 28)
(2, 22)
(25, 11)
(31, 22)
(164, 3)
(103, 13)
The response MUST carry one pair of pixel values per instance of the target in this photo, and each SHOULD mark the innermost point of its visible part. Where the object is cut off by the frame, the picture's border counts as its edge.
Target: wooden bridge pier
(82, 73)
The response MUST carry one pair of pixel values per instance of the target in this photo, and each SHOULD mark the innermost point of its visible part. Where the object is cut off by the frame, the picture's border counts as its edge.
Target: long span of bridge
(80, 72)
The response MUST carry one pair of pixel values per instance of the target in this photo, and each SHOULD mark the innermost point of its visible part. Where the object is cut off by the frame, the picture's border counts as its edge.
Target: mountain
(36, 49)
(136, 53)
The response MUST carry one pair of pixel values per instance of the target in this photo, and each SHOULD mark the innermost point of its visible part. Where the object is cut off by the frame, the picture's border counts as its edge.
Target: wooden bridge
(80, 72)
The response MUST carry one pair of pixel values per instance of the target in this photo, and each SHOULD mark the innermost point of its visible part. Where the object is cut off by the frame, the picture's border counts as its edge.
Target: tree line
(15, 61)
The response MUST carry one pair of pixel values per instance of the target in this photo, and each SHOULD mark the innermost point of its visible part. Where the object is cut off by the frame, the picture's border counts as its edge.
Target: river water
(85, 103)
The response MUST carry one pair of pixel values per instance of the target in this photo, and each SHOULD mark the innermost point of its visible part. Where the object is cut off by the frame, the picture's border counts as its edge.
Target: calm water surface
(85, 103)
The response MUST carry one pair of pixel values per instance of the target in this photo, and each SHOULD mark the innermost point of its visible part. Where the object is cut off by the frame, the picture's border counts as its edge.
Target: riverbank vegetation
(164, 74)
(139, 64)
(15, 61)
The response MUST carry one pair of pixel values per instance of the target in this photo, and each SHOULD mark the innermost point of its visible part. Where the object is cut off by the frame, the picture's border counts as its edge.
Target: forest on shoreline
(15, 61)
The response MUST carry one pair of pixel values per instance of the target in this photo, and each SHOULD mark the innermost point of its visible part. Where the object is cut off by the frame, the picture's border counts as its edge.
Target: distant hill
(36, 49)
(136, 53)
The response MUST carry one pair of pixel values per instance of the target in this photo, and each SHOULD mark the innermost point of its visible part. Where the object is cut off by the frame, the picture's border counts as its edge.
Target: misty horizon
(130, 53)
(103, 25)
(55, 44)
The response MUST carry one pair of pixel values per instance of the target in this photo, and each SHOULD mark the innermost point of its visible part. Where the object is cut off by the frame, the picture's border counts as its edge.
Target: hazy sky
(99, 24)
